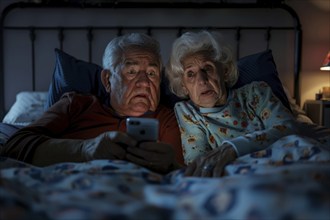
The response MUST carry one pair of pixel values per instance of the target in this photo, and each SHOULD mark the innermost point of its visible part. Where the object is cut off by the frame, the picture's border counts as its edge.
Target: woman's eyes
(190, 74)
(208, 69)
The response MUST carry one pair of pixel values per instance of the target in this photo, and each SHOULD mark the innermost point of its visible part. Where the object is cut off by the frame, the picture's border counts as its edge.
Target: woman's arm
(193, 136)
(277, 121)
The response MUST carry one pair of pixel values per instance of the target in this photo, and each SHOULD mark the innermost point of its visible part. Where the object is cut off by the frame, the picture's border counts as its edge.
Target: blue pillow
(71, 74)
(261, 67)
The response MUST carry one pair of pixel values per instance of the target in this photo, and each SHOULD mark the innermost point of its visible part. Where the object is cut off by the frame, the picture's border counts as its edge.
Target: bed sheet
(289, 180)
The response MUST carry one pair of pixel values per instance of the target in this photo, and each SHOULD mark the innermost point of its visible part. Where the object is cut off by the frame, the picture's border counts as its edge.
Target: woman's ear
(185, 90)
(105, 78)
(224, 76)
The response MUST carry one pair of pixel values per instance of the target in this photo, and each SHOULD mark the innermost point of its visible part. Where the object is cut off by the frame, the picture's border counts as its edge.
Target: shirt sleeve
(170, 133)
(52, 124)
(276, 119)
(193, 137)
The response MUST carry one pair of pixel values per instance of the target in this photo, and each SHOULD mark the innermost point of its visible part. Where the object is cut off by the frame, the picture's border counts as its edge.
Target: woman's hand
(212, 164)
(157, 156)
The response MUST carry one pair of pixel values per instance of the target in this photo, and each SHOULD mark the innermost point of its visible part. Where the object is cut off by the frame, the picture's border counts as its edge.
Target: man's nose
(143, 79)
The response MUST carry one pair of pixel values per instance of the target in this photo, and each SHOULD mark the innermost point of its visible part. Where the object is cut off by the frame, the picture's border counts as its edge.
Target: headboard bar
(33, 39)
(114, 4)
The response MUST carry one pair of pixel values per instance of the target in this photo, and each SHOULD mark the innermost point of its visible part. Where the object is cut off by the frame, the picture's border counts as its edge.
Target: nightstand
(318, 111)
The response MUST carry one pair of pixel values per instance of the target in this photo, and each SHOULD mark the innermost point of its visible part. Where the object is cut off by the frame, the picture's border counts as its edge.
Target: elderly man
(79, 128)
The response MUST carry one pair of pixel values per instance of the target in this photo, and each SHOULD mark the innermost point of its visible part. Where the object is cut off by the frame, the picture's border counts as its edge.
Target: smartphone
(142, 129)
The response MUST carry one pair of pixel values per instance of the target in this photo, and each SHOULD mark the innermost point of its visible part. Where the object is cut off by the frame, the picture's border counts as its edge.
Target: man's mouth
(142, 96)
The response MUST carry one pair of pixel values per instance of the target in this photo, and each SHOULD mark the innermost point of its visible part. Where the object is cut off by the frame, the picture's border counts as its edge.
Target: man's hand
(157, 156)
(109, 145)
(212, 164)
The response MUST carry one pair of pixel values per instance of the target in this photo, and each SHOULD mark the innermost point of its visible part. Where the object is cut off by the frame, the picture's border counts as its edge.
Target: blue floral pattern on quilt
(289, 180)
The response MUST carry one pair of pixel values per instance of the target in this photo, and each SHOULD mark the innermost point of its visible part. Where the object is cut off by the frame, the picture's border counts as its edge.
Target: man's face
(135, 88)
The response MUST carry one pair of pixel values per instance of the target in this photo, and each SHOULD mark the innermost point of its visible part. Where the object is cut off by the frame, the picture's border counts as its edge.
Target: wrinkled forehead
(197, 58)
(135, 53)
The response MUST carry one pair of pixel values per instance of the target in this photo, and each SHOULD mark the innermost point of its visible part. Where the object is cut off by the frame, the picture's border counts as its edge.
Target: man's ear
(105, 78)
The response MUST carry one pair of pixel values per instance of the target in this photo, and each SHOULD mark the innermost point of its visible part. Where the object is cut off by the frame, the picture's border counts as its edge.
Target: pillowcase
(261, 67)
(71, 74)
(28, 107)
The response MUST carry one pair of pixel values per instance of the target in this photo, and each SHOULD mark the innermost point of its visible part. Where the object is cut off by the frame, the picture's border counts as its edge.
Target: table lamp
(326, 67)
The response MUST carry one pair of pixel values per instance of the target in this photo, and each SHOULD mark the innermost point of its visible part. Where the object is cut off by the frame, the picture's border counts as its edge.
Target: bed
(45, 53)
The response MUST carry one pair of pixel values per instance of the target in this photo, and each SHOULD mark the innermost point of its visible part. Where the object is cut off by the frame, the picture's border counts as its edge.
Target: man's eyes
(150, 73)
(132, 72)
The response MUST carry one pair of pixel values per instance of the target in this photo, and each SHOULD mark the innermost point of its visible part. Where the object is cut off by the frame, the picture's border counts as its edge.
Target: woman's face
(203, 80)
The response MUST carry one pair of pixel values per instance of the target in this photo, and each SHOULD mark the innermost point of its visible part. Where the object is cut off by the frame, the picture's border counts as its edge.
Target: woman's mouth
(208, 92)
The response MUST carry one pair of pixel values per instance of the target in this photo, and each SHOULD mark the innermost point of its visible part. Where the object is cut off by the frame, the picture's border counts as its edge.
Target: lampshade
(326, 63)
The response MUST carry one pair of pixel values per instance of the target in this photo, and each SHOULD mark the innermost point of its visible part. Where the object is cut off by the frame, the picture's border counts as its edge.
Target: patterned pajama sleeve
(193, 136)
(277, 120)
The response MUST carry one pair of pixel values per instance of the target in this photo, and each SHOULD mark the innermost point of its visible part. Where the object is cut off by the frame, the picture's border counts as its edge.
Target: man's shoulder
(164, 112)
(75, 95)
(76, 98)
(163, 109)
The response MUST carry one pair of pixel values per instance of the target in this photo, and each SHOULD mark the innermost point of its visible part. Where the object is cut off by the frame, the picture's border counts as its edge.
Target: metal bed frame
(296, 28)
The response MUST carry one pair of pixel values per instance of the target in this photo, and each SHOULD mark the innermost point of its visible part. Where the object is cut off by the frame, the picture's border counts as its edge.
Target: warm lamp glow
(326, 63)
(326, 67)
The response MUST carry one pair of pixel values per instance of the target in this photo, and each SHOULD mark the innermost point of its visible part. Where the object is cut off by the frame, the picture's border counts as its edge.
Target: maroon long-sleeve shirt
(77, 116)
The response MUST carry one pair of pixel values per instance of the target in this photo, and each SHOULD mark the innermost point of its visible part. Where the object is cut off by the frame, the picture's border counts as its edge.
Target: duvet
(288, 180)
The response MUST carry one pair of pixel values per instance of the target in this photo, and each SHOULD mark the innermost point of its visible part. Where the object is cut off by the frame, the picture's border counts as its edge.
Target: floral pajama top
(251, 120)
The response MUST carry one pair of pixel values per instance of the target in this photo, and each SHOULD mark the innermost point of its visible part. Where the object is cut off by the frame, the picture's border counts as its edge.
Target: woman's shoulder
(253, 87)
(184, 105)
(186, 109)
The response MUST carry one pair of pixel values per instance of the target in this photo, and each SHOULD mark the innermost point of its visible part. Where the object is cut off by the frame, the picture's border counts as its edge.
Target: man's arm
(23, 143)
(42, 142)
(108, 145)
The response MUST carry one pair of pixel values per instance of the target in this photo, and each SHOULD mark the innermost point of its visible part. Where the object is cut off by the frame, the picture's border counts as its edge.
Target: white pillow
(28, 107)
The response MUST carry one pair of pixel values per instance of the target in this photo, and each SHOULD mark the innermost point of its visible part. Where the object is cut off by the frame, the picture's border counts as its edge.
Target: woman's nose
(202, 76)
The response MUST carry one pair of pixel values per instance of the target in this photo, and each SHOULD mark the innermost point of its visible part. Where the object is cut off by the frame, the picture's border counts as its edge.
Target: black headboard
(90, 30)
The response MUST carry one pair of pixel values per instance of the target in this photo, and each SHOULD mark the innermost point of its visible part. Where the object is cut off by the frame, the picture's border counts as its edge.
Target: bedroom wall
(315, 24)
(315, 20)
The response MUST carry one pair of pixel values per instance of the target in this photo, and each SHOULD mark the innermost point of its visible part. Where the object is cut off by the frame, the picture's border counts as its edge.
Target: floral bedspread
(289, 180)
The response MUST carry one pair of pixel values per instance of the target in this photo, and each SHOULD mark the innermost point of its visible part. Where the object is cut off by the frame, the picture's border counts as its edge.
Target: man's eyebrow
(130, 62)
(154, 64)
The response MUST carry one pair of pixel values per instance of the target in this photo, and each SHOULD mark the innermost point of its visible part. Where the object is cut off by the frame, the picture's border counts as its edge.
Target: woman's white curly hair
(195, 42)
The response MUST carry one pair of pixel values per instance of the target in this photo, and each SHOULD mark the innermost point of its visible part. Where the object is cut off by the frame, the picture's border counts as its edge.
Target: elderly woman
(217, 123)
